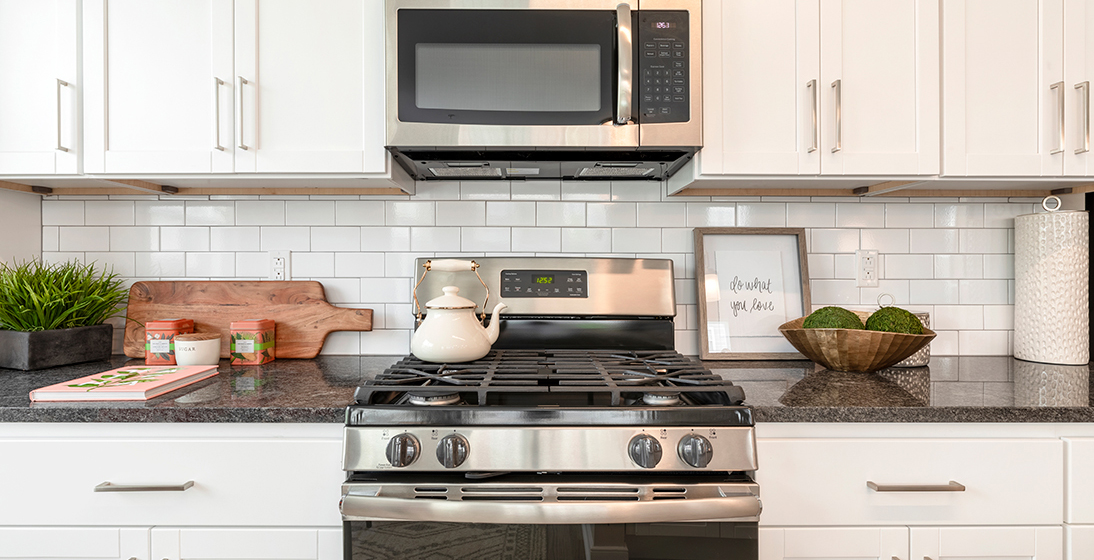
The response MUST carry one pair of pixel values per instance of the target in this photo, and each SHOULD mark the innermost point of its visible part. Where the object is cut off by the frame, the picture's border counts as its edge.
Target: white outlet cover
(867, 268)
(280, 265)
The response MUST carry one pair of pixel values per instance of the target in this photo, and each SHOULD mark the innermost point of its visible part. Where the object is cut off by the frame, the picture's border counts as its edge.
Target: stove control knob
(402, 450)
(645, 451)
(695, 450)
(453, 450)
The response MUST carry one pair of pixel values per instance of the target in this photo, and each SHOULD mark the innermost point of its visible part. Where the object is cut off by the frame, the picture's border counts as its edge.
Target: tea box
(159, 340)
(252, 342)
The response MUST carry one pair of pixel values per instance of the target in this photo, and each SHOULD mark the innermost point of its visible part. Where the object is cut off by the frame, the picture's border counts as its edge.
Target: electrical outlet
(866, 268)
(280, 265)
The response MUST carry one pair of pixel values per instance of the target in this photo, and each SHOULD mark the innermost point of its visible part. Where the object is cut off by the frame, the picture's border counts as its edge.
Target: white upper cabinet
(1078, 74)
(216, 86)
(39, 90)
(1007, 110)
(833, 87)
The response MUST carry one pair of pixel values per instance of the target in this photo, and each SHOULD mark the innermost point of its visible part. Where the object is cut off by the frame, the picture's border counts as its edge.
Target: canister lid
(252, 325)
(169, 325)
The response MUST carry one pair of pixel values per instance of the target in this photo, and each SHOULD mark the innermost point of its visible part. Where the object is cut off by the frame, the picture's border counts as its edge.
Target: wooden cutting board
(300, 309)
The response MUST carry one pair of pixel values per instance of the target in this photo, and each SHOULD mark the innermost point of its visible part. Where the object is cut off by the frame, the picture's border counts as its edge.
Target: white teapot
(451, 332)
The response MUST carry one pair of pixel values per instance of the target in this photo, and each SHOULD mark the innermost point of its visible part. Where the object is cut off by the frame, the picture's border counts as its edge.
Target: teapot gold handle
(450, 265)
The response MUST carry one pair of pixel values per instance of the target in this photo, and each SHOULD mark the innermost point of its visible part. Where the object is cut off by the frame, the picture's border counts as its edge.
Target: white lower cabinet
(807, 543)
(234, 543)
(100, 543)
(928, 543)
(988, 543)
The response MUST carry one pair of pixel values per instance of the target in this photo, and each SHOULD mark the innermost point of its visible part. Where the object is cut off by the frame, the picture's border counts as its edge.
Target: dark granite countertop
(949, 389)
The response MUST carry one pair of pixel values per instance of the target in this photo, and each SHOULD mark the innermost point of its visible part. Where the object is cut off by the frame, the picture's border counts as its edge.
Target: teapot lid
(450, 300)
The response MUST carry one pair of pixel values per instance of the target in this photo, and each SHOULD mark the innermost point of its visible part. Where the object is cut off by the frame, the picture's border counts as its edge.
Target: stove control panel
(544, 284)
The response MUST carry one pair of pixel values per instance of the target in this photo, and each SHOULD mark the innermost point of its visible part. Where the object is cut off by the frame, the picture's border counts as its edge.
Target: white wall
(20, 226)
(951, 257)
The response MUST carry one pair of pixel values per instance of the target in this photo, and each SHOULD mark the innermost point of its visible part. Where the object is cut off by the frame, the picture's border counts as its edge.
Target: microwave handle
(626, 64)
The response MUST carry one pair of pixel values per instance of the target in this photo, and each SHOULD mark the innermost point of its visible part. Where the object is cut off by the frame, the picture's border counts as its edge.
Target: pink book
(136, 383)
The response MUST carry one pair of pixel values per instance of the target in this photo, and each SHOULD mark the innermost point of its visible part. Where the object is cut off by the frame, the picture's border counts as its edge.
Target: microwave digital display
(663, 25)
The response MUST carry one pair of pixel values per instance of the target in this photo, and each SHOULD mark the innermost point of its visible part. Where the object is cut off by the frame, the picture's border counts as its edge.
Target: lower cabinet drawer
(1079, 503)
(236, 481)
(825, 481)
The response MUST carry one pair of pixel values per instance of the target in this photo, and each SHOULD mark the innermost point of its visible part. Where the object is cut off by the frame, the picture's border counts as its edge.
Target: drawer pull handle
(108, 487)
(951, 487)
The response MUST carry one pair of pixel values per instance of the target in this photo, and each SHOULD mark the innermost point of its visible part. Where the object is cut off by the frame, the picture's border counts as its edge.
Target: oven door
(551, 516)
(502, 73)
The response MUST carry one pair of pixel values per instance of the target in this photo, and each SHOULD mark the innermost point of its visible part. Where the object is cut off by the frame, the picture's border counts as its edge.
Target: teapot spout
(495, 326)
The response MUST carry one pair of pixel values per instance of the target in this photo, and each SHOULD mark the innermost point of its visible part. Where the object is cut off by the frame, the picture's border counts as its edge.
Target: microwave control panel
(663, 77)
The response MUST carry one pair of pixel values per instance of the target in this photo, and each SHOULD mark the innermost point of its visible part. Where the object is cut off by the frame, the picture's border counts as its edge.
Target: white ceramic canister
(1051, 286)
(197, 349)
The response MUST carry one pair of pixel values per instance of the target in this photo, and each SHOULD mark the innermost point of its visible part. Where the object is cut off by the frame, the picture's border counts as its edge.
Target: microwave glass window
(541, 77)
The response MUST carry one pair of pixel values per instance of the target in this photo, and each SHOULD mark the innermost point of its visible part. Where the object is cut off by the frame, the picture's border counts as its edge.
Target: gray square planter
(46, 349)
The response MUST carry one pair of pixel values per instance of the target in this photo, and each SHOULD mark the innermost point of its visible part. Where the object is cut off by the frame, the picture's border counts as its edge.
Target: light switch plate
(866, 268)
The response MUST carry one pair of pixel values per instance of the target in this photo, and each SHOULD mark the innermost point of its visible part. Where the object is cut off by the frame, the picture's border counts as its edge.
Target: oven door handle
(623, 109)
(379, 508)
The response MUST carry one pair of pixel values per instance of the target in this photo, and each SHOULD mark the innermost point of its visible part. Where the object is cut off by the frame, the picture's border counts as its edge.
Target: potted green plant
(54, 314)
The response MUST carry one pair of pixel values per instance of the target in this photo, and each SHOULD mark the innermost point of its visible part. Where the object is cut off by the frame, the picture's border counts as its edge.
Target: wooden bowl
(855, 350)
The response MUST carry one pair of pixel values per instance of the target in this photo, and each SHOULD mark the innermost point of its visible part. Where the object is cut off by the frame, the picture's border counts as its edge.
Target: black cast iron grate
(554, 377)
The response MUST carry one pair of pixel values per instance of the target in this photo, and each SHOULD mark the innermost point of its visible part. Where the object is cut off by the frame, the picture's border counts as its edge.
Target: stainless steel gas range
(579, 436)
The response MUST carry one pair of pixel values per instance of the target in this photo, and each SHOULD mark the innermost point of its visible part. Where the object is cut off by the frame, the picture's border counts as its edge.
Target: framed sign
(750, 281)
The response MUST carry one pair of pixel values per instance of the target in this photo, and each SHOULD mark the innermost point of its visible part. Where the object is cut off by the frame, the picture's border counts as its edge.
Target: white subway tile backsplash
(958, 215)
(636, 191)
(437, 190)
(636, 240)
(108, 213)
(385, 342)
(984, 343)
(399, 316)
(899, 289)
(461, 213)
(834, 240)
(385, 239)
(209, 213)
(811, 215)
(387, 289)
(909, 266)
(885, 240)
(51, 238)
(984, 240)
(945, 344)
(312, 265)
(160, 264)
(484, 190)
(259, 213)
(659, 214)
(761, 214)
(999, 266)
(484, 239)
(238, 239)
(84, 238)
(311, 213)
(62, 212)
(1002, 215)
(505, 213)
(959, 266)
(587, 190)
(407, 213)
(933, 240)
(212, 265)
(341, 344)
(359, 265)
(937, 292)
(341, 290)
(134, 239)
(999, 317)
(253, 265)
(537, 240)
(400, 265)
(158, 213)
(957, 317)
(687, 342)
(678, 240)
(611, 214)
(586, 240)
(712, 214)
(560, 214)
(61, 257)
(909, 215)
(360, 212)
(120, 263)
(285, 238)
(435, 239)
(822, 266)
(984, 292)
(833, 292)
(845, 265)
(536, 190)
(335, 239)
(850, 215)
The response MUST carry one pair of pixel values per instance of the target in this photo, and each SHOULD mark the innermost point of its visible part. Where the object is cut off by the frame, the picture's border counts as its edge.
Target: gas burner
(661, 399)
(433, 400)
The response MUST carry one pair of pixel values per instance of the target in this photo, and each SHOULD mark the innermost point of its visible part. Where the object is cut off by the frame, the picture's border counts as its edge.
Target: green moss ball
(894, 319)
(832, 318)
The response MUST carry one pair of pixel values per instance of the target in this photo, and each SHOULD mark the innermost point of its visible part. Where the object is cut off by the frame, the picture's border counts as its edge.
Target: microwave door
(506, 75)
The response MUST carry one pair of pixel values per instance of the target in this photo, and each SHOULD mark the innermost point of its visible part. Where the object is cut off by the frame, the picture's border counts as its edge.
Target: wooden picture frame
(748, 282)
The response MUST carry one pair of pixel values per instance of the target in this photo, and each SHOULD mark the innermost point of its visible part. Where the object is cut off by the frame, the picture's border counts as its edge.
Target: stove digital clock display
(544, 284)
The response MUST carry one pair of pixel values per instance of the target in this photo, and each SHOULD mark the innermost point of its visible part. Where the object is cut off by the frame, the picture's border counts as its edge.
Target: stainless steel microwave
(538, 89)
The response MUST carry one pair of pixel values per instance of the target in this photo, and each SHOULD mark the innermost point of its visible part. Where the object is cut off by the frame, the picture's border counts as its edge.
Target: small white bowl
(197, 349)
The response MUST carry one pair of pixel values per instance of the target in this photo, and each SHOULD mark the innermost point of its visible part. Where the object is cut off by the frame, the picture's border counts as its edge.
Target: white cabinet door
(155, 70)
(860, 543)
(311, 98)
(101, 543)
(1002, 87)
(988, 543)
(39, 107)
(760, 87)
(1078, 74)
(235, 543)
(879, 87)
(1080, 542)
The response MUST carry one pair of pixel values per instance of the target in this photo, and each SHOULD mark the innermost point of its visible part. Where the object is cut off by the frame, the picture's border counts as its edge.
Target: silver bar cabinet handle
(1085, 114)
(812, 86)
(951, 487)
(60, 83)
(239, 94)
(1059, 87)
(838, 86)
(217, 82)
(109, 487)
(626, 64)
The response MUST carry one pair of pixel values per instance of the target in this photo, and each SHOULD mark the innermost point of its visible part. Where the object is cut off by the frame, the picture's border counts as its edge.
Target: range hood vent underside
(432, 164)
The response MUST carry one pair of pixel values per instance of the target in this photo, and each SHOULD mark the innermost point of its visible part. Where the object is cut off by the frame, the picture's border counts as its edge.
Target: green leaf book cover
(134, 383)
